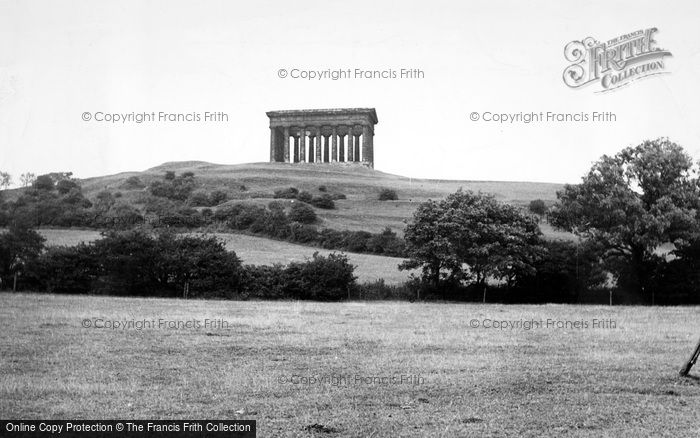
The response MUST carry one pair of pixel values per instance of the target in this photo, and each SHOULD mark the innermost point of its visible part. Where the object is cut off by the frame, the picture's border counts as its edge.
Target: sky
(61, 60)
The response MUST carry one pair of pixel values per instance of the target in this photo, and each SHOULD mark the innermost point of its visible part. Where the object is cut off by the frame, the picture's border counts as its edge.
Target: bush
(322, 188)
(305, 197)
(302, 213)
(302, 233)
(217, 197)
(290, 193)
(173, 187)
(321, 278)
(388, 195)
(66, 185)
(263, 282)
(199, 199)
(324, 201)
(133, 182)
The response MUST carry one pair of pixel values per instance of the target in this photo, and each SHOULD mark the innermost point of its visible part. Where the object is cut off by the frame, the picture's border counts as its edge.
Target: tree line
(635, 217)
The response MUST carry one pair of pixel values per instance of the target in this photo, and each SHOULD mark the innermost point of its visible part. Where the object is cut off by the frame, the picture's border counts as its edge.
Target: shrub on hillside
(289, 193)
(302, 213)
(199, 199)
(324, 201)
(388, 195)
(173, 187)
(305, 197)
(133, 182)
(302, 233)
(217, 197)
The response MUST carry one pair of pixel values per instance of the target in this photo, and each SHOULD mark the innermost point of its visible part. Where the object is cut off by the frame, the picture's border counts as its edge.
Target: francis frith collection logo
(614, 63)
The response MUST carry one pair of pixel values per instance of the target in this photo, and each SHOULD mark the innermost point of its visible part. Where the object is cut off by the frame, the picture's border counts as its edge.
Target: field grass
(467, 381)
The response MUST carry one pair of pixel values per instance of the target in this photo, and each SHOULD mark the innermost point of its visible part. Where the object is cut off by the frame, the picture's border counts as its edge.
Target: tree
(468, 238)
(18, 246)
(538, 207)
(630, 204)
(5, 180)
(44, 183)
(27, 179)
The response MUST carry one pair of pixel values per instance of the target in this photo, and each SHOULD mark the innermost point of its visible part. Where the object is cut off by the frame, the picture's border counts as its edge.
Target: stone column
(351, 145)
(334, 145)
(319, 145)
(286, 144)
(302, 145)
(356, 155)
(312, 144)
(296, 149)
(367, 146)
(273, 145)
(341, 149)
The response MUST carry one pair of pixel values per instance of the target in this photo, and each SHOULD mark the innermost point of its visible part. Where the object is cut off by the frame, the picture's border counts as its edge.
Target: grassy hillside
(361, 210)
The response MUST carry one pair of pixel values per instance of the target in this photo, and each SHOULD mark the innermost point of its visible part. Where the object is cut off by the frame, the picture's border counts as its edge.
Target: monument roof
(325, 112)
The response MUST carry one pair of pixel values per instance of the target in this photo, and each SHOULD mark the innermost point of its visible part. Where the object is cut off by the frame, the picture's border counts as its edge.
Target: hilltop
(256, 182)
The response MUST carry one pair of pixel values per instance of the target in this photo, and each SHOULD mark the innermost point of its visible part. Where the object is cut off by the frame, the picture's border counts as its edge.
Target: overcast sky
(61, 59)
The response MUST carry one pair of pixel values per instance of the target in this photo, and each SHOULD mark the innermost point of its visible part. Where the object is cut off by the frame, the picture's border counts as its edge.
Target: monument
(341, 135)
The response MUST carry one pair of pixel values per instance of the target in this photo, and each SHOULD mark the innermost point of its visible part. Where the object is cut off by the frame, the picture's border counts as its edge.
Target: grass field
(462, 381)
(261, 251)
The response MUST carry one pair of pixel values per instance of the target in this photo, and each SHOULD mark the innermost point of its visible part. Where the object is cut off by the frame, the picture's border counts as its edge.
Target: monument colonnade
(323, 136)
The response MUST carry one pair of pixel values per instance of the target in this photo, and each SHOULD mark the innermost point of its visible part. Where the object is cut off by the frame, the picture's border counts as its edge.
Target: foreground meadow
(353, 369)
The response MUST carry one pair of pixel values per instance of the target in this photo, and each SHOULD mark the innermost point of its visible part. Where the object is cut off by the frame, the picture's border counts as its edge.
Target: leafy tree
(538, 207)
(27, 179)
(321, 278)
(5, 180)
(44, 182)
(198, 265)
(630, 204)
(19, 246)
(470, 237)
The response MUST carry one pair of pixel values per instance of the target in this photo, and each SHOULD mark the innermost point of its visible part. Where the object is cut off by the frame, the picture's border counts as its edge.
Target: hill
(256, 182)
